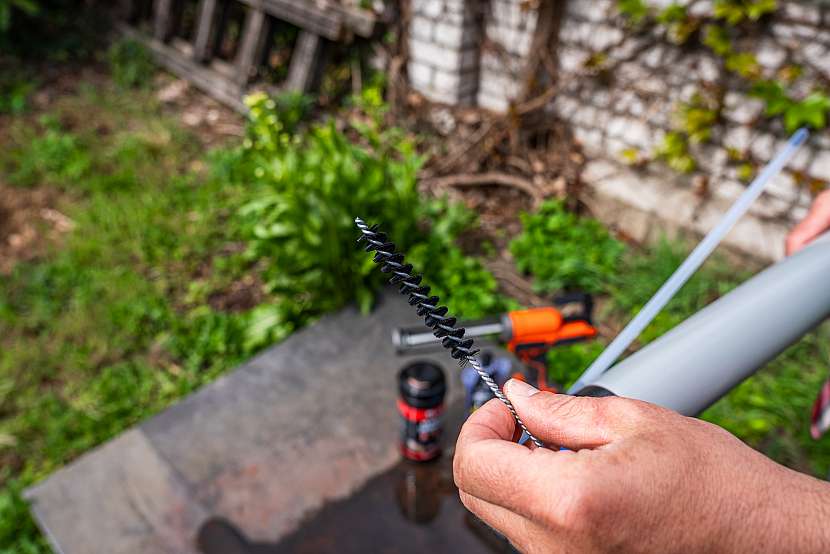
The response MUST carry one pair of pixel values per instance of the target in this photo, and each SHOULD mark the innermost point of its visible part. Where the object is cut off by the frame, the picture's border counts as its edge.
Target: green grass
(116, 322)
(121, 318)
(124, 316)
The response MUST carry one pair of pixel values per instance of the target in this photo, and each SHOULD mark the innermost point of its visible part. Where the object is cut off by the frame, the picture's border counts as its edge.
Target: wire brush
(435, 317)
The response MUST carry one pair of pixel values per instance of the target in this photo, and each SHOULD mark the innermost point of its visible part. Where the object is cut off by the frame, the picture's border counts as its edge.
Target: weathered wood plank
(212, 82)
(163, 23)
(306, 63)
(360, 22)
(205, 30)
(228, 82)
(250, 52)
(305, 15)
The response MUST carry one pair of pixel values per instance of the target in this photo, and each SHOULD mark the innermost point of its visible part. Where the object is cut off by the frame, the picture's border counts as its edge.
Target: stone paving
(304, 423)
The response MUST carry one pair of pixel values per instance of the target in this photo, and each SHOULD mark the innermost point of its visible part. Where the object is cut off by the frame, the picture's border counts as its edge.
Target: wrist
(791, 514)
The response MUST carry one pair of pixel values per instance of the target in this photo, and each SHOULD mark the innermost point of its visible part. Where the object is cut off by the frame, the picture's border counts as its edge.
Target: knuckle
(562, 406)
(635, 410)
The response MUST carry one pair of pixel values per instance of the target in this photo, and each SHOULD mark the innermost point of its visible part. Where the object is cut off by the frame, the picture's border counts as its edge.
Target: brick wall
(508, 33)
(444, 39)
(632, 111)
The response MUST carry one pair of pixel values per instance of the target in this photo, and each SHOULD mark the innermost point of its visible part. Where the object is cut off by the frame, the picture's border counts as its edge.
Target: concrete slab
(304, 423)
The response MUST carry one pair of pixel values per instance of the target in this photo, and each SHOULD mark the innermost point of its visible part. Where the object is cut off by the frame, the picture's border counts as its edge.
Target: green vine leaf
(636, 11)
(717, 38)
(679, 25)
(812, 111)
(758, 9)
(632, 157)
(730, 11)
(736, 11)
(744, 64)
(789, 73)
(674, 150)
(697, 116)
(596, 61)
(772, 93)
(726, 22)
(746, 171)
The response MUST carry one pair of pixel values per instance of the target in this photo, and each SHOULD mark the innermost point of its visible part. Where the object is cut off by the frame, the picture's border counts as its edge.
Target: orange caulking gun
(529, 334)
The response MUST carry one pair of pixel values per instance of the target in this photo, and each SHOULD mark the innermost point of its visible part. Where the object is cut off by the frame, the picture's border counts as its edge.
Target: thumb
(574, 422)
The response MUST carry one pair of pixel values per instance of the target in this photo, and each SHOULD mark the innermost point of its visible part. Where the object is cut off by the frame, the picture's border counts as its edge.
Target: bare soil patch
(30, 223)
(214, 123)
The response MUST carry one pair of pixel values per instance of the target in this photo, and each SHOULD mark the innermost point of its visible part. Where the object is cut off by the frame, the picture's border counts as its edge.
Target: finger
(803, 234)
(570, 421)
(816, 222)
(519, 530)
(491, 421)
(488, 466)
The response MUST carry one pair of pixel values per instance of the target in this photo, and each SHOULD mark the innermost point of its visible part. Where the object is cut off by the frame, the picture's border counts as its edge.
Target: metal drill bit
(435, 316)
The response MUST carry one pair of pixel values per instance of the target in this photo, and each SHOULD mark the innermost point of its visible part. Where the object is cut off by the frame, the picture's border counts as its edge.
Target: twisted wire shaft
(501, 396)
(443, 326)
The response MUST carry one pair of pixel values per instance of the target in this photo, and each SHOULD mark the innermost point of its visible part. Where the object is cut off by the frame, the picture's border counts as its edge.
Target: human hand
(637, 478)
(816, 223)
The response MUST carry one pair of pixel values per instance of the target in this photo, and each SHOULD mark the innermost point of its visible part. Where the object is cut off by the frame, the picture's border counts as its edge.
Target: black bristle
(435, 316)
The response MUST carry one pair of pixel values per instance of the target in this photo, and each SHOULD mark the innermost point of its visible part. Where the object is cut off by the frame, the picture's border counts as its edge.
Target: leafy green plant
(641, 274)
(564, 251)
(567, 362)
(54, 157)
(674, 150)
(96, 334)
(632, 157)
(461, 281)
(131, 64)
(16, 525)
(311, 186)
(15, 89)
(29, 7)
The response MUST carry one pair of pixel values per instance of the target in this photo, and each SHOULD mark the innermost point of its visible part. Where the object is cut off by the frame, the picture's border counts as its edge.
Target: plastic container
(421, 387)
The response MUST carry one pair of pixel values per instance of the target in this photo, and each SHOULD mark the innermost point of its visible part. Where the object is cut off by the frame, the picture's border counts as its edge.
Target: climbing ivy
(720, 28)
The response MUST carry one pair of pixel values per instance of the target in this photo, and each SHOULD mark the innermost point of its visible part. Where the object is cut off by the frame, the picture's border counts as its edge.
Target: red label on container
(417, 415)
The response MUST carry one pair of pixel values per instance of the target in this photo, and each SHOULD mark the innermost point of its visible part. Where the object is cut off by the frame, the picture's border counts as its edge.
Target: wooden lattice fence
(229, 47)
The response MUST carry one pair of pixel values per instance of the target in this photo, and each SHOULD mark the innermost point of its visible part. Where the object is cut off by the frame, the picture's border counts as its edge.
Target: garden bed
(179, 265)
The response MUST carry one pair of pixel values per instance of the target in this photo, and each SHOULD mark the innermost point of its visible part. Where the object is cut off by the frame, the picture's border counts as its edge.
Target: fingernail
(519, 388)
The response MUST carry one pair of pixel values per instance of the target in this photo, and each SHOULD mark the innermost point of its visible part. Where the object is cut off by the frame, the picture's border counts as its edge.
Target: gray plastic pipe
(700, 360)
(691, 264)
